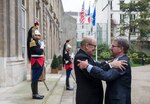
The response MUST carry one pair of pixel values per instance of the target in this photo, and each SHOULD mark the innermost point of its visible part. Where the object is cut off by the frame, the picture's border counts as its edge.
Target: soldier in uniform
(64, 51)
(36, 57)
(30, 33)
(68, 66)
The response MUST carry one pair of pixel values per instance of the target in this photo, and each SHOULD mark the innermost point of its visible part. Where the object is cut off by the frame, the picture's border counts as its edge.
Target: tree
(54, 63)
(141, 21)
(103, 52)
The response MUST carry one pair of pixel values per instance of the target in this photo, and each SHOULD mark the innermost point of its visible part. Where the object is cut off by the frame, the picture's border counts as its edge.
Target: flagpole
(89, 14)
(94, 26)
(84, 20)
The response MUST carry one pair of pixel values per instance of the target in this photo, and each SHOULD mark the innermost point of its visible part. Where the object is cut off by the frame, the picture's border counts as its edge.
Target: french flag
(89, 17)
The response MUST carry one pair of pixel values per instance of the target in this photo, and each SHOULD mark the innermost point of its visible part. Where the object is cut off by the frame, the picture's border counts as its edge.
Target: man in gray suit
(118, 89)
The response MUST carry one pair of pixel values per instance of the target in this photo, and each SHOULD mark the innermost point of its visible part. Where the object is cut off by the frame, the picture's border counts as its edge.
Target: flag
(82, 15)
(94, 17)
(89, 18)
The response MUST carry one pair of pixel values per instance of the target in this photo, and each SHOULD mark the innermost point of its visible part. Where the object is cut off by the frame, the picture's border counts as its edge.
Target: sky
(76, 5)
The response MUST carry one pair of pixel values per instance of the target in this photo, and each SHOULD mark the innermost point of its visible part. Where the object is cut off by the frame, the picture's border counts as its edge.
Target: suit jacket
(118, 89)
(89, 89)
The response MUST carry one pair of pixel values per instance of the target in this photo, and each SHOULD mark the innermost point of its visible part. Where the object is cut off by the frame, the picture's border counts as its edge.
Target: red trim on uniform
(68, 66)
(40, 60)
(33, 60)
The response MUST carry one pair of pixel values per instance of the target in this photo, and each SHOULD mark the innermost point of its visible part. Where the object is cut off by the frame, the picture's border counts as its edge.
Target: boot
(35, 94)
(68, 85)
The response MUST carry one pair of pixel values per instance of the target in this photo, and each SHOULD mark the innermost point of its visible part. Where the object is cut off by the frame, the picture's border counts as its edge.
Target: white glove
(42, 45)
(66, 62)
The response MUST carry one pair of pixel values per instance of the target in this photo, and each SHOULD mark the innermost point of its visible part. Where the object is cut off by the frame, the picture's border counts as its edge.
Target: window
(122, 18)
(82, 26)
(82, 35)
(111, 7)
(37, 10)
(23, 3)
(122, 32)
(121, 3)
(132, 30)
(89, 33)
(132, 16)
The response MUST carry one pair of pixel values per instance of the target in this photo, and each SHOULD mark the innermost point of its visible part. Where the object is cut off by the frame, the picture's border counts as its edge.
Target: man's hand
(83, 64)
(119, 64)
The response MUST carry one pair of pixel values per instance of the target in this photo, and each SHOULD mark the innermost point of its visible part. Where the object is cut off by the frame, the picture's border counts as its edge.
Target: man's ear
(86, 46)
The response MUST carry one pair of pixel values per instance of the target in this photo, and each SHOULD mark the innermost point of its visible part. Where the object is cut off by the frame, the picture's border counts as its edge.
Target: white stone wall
(103, 16)
(14, 67)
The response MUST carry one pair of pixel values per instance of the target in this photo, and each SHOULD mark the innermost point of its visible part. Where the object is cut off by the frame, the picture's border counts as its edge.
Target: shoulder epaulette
(32, 43)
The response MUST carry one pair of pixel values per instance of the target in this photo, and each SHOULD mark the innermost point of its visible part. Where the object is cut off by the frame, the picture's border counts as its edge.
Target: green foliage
(103, 52)
(139, 61)
(135, 55)
(54, 63)
(136, 60)
(147, 60)
(148, 56)
(105, 55)
(142, 23)
(141, 54)
(60, 59)
(103, 47)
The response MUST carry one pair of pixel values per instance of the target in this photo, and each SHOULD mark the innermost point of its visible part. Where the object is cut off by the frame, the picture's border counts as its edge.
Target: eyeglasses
(114, 46)
(92, 45)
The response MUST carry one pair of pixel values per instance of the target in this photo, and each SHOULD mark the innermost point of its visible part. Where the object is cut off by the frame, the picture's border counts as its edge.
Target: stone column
(18, 28)
(12, 31)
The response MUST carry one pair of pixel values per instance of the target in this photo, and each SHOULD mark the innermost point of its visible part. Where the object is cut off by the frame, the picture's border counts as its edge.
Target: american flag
(82, 15)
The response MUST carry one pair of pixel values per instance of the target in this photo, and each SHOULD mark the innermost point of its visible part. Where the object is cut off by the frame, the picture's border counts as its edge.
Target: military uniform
(68, 66)
(37, 62)
(36, 49)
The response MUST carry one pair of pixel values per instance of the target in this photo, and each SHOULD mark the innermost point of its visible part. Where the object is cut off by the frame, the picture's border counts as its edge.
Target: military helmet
(36, 32)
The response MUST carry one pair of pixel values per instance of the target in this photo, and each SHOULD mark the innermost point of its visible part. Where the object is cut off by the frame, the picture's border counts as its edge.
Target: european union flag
(94, 17)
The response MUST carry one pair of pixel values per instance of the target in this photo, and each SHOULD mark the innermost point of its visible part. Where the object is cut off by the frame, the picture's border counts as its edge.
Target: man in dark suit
(118, 89)
(89, 89)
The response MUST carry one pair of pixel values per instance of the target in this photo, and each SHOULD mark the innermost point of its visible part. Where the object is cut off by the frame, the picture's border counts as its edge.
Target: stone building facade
(69, 31)
(16, 17)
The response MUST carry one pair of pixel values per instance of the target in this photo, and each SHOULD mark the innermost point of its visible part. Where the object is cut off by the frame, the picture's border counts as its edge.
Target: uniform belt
(37, 55)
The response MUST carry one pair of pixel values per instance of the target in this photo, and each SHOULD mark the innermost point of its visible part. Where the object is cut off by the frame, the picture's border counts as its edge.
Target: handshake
(41, 43)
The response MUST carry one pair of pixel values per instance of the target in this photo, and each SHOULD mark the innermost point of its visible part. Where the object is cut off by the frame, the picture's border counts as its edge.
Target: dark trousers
(36, 73)
(68, 72)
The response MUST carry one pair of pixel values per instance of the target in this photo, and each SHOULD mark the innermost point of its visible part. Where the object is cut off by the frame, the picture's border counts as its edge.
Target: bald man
(118, 90)
(89, 89)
